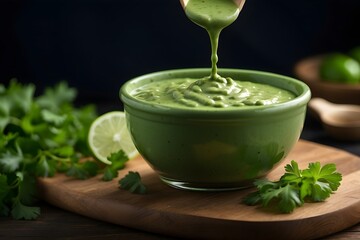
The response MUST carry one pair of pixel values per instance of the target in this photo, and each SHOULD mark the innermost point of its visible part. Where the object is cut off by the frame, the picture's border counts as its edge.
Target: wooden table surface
(56, 223)
(59, 224)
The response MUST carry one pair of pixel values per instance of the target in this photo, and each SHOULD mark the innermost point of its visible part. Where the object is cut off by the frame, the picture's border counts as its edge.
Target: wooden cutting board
(214, 215)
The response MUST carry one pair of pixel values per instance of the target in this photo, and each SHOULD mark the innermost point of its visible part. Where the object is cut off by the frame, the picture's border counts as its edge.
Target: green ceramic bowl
(215, 149)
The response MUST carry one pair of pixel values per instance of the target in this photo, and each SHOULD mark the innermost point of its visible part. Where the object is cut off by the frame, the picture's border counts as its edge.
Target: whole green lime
(340, 68)
(355, 53)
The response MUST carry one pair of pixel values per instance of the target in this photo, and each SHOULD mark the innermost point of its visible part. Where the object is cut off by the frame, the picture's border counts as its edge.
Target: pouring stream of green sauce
(214, 16)
(214, 90)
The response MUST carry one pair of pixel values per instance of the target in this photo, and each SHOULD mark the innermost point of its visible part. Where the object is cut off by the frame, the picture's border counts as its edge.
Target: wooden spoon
(342, 121)
(240, 3)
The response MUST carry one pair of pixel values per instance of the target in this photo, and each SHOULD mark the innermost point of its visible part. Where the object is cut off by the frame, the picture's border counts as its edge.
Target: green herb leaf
(292, 173)
(45, 167)
(17, 99)
(315, 183)
(4, 113)
(54, 98)
(325, 174)
(253, 199)
(6, 138)
(320, 182)
(26, 188)
(4, 187)
(4, 192)
(132, 182)
(10, 161)
(83, 170)
(109, 174)
(53, 118)
(64, 151)
(20, 211)
(118, 160)
(287, 198)
(39, 136)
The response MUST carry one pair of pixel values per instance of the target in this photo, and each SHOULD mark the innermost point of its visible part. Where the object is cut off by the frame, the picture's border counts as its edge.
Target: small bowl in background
(307, 70)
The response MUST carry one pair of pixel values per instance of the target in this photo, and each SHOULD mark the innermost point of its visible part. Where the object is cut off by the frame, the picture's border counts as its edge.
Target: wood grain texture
(212, 215)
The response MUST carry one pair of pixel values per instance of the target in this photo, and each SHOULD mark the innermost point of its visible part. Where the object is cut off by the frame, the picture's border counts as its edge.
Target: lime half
(338, 67)
(109, 134)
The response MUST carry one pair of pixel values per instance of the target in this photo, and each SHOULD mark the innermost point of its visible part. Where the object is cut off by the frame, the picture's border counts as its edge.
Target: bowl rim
(130, 101)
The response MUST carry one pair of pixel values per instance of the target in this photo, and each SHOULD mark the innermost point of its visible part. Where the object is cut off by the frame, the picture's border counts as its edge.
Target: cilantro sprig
(132, 182)
(39, 136)
(314, 184)
(118, 160)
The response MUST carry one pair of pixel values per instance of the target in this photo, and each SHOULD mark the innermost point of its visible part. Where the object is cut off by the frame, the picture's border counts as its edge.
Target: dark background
(96, 45)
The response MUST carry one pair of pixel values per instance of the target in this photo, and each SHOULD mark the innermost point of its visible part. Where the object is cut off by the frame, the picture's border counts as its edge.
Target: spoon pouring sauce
(240, 3)
(213, 15)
